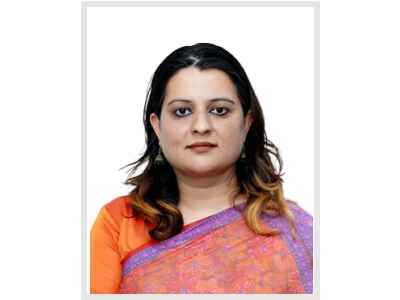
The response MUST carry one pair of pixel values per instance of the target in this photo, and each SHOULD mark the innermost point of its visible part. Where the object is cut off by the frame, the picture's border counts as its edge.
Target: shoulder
(300, 214)
(107, 225)
(119, 208)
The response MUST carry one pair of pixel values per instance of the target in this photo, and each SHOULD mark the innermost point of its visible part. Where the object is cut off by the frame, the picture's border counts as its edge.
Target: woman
(207, 214)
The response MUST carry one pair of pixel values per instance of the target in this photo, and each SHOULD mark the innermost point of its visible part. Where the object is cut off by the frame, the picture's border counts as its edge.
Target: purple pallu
(221, 254)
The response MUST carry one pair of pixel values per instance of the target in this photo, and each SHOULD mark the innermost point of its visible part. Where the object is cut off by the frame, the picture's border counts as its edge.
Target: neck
(203, 195)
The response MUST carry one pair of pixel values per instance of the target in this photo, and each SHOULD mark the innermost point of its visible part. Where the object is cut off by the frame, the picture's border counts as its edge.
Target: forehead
(200, 85)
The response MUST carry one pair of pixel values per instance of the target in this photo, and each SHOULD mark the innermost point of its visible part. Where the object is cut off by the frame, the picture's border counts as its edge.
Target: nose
(201, 123)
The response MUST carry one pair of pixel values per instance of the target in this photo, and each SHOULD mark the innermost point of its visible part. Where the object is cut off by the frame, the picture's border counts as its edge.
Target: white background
(41, 167)
(278, 57)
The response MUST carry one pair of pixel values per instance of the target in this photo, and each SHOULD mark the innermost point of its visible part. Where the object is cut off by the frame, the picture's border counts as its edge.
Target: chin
(201, 170)
(200, 173)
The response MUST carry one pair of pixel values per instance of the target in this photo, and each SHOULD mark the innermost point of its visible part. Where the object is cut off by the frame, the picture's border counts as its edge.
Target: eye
(220, 111)
(180, 112)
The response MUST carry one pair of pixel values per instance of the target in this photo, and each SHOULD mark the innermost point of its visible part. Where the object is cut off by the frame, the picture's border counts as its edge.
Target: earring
(243, 155)
(159, 159)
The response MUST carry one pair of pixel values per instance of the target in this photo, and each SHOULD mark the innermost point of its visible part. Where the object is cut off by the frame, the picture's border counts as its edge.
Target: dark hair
(155, 195)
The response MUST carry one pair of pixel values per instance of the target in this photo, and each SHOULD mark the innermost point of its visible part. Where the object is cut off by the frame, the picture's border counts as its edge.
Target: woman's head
(201, 106)
(200, 73)
(201, 93)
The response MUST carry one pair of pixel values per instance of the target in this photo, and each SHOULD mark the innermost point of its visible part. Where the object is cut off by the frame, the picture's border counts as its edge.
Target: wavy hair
(155, 195)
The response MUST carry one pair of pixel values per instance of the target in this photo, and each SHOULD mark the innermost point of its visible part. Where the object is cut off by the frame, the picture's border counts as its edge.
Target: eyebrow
(211, 100)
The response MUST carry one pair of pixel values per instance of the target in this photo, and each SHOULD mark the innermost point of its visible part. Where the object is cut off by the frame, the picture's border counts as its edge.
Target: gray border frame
(313, 4)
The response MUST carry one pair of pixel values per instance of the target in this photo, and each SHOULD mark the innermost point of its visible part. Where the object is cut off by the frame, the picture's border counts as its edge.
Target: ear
(155, 123)
(248, 120)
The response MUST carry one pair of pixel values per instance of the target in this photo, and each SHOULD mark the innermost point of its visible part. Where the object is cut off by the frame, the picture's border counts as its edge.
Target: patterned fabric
(220, 254)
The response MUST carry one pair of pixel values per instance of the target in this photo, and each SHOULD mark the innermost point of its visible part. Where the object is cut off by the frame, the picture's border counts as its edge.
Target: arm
(105, 266)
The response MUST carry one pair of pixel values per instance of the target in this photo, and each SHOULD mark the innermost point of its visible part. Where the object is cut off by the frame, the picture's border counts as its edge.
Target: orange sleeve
(105, 265)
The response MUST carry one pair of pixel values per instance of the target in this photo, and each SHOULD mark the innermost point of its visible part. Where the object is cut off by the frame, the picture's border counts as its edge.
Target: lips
(202, 144)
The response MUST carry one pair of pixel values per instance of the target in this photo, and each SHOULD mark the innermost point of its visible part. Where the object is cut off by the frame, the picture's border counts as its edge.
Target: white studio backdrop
(40, 106)
(126, 44)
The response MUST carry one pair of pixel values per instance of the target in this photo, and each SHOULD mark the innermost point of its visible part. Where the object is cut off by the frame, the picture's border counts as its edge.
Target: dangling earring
(243, 155)
(159, 159)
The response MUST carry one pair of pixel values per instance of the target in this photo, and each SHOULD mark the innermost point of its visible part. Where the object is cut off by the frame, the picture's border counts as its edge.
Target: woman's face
(201, 106)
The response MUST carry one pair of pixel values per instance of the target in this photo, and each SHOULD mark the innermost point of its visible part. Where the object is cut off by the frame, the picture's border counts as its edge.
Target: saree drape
(220, 254)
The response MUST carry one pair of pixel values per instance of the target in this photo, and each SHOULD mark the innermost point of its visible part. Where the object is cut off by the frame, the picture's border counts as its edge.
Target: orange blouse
(112, 238)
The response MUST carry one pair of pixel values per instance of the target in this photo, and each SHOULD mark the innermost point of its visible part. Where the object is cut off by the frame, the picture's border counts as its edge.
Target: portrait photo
(200, 148)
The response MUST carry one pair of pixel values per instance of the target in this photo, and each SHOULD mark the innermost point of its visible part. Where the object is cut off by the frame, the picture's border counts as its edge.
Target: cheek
(233, 133)
(173, 135)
